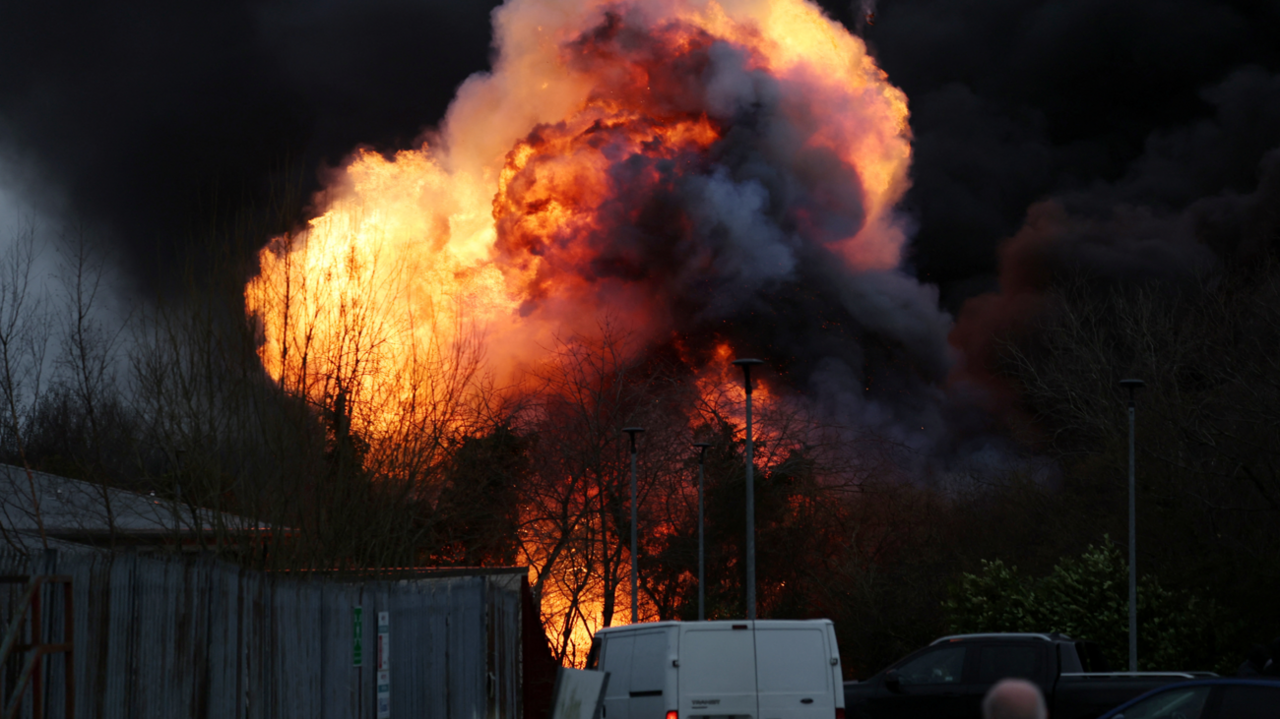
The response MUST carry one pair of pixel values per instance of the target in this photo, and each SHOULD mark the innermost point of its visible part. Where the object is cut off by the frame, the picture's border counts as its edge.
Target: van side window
(940, 666)
(593, 657)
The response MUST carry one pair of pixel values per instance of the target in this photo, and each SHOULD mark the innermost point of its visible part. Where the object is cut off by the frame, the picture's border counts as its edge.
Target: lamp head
(633, 431)
(1132, 385)
(746, 364)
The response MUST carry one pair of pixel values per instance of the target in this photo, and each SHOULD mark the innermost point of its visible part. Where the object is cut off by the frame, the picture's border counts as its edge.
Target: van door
(793, 667)
(616, 659)
(717, 674)
(649, 661)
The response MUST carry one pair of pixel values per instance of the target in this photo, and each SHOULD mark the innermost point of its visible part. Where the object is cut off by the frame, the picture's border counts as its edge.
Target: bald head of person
(1014, 699)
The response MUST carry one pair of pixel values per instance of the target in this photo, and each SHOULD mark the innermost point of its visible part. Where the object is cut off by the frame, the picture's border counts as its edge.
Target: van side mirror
(891, 681)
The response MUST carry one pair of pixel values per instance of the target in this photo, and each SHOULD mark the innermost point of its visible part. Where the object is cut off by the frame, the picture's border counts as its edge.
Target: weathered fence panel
(166, 638)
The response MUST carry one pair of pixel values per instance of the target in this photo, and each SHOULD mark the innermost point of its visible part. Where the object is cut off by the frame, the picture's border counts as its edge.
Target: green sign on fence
(357, 637)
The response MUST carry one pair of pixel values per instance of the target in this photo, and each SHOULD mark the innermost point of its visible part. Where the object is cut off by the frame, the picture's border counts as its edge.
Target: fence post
(37, 675)
(69, 663)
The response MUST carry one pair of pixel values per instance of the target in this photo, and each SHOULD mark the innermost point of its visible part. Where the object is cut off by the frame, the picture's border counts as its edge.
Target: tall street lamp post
(635, 597)
(702, 456)
(1132, 385)
(746, 365)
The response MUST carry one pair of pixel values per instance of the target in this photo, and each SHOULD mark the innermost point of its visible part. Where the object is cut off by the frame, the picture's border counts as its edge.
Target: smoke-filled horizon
(1047, 138)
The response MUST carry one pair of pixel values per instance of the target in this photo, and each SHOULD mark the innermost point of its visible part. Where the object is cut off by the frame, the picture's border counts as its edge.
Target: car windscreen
(1178, 703)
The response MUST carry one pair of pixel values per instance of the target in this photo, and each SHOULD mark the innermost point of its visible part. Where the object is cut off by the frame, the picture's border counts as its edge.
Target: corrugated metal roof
(72, 509)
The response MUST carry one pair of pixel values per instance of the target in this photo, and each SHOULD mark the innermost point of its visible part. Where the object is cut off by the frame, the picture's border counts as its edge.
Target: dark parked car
(948, 678)
(1224, 698)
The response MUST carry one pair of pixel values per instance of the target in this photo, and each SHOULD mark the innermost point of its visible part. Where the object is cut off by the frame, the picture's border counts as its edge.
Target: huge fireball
(670, 163)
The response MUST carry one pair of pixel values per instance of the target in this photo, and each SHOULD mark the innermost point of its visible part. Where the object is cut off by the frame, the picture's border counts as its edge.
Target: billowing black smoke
(738, 239)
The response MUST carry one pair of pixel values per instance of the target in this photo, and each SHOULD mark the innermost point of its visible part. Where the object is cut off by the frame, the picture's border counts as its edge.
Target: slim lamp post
(702, 456)
(746, 365)
(1132, 385)
(635, 597)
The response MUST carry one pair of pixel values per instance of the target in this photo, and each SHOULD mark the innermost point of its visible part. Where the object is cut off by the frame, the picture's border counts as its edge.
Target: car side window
(941, 666)
(1002, 661)
(1250, 702)
(1092, 657)
(1182, 703)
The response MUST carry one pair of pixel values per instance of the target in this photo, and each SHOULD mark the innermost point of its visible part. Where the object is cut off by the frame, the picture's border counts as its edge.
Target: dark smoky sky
(148, 119)
(1014, 101)
(142, 116)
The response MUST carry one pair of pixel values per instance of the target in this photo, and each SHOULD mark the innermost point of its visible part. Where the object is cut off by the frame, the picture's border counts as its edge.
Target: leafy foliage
(1086, 597)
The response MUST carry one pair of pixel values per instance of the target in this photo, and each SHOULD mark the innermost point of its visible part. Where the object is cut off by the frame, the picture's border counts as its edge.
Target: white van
(766, 669)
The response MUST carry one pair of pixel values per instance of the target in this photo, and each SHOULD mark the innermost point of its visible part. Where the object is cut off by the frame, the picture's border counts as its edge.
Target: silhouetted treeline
(173, 399)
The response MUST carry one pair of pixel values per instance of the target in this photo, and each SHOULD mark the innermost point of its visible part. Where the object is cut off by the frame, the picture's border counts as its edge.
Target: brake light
(673, 714)
(839, 712)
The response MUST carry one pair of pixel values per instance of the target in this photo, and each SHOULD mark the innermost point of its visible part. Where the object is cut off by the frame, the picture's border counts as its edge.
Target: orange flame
(516, 222)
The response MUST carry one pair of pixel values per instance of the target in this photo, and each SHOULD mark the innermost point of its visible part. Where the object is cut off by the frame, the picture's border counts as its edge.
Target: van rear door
(649, 662)
(616, 659)
(794, 677)
(717, 670)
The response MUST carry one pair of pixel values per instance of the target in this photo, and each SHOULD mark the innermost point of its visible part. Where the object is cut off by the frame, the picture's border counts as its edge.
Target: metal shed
(170, 637)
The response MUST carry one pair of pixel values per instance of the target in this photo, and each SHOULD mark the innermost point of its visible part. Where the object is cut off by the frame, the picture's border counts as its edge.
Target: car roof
(1003, 635)
(1211, 681)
